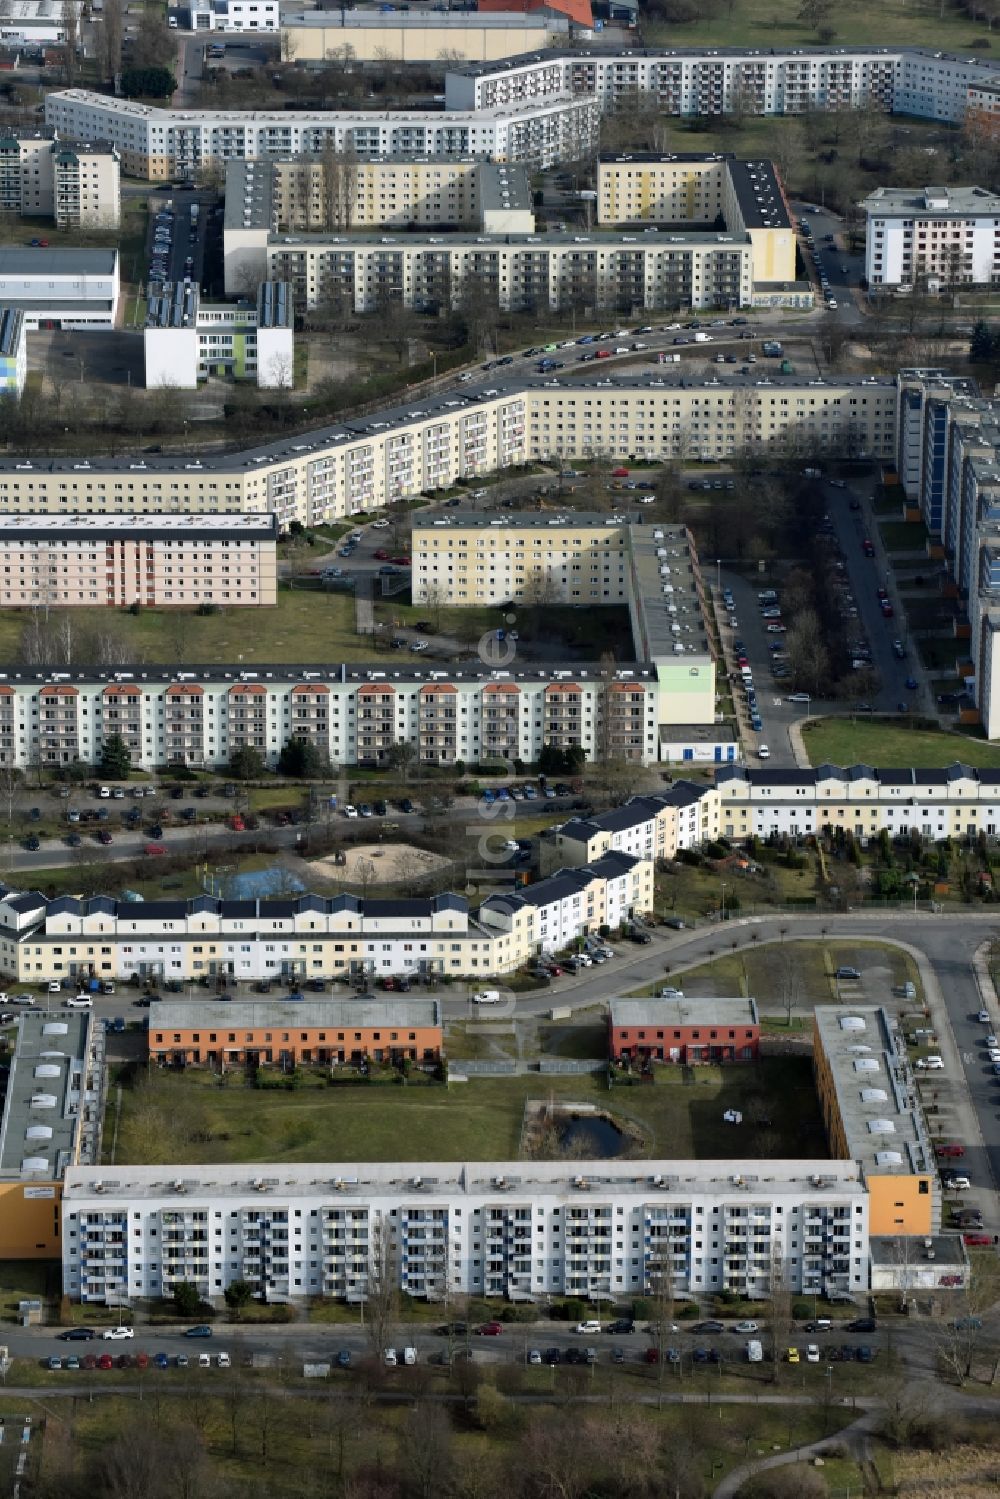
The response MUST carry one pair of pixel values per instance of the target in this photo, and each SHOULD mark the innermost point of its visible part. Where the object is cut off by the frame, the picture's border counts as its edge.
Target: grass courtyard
(769, 23)
(188, 1117)
(309, 624)
(843, 741)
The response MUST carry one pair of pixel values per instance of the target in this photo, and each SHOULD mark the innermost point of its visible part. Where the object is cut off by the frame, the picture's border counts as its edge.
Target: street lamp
(722, 904)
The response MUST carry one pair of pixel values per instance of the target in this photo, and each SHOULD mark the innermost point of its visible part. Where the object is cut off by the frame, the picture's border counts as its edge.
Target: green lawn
(840, 741)
(772, 23)
(690, 891)
(189, 1117)
(903, 535)
(304, 626)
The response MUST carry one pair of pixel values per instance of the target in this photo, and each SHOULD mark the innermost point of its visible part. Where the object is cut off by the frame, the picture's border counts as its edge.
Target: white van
(587, 1327)
(487, 997)
(755, 1351)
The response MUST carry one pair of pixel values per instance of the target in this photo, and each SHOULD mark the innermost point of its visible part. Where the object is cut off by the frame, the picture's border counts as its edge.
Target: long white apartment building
(312, 936)
(519, 1229)
(355, 715)
(156, 561)
(932, 237)
(371, 461)
(157, 143)
(76, 183)
(720, 80)
(519, 272)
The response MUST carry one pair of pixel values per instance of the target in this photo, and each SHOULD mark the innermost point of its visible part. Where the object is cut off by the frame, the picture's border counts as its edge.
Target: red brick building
(685, 1032)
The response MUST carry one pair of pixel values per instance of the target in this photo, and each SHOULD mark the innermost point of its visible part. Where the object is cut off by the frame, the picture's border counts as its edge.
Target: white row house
(311, 936)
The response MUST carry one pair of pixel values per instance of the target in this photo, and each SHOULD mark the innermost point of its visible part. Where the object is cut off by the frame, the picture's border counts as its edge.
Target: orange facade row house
(293, 1032)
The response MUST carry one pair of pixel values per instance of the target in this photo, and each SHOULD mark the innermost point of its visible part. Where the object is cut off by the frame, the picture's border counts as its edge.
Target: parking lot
(176, 243)
(754, 626)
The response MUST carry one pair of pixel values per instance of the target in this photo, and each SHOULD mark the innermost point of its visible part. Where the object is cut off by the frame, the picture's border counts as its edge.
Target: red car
(401, 561)
(491, 1329)
(155, 850)
(555, 970)
(236, 823)
(951, 1150)
(142, 1361)
(105, 1361)
(381, 555)
(104, 837)
(977, 1239)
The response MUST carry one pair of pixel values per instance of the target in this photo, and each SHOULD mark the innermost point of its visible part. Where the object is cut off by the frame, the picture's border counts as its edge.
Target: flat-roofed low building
(52, 1113)
(902, 1263)
(419, 36)
(873, 1115)
(115, 561)
(684, 1032)
(293, 1032)
(60, 287)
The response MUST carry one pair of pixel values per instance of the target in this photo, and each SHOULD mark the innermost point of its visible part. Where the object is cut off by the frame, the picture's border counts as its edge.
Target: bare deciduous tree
(70, 20)
(382, 1292)
(110, 26)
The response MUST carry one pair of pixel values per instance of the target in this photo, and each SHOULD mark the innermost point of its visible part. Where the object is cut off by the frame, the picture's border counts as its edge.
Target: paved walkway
(854, 1437)
(364, 608)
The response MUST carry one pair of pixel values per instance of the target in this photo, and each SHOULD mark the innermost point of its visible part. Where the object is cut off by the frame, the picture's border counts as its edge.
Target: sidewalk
(852, 1436)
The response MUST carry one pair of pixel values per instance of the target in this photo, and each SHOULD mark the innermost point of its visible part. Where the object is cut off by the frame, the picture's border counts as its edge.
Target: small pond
(593, 1135)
